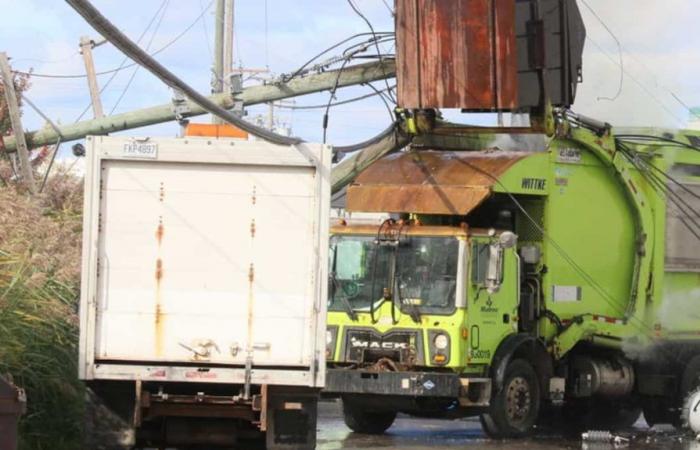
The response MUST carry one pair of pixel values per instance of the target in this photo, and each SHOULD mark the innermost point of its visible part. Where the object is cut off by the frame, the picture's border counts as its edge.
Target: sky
(660, 57)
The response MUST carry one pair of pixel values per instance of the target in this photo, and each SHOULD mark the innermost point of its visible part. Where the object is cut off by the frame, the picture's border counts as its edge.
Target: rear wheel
(514, 409)
(690, 382)
(362, 421)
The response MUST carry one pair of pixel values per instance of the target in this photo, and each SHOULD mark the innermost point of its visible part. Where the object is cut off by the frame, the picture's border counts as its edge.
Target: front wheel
(366, 422)
(514, 409)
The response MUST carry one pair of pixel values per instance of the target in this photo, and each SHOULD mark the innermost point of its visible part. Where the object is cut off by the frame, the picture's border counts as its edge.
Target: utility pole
(228, 45)
(13, 108)
(217, 83)
(86, 46)
(253, 95)
(218, 76)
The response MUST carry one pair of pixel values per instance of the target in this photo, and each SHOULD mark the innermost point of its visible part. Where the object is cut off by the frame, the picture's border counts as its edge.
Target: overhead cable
(636, 81)
(343, 102)
(136, 69)
(129, 48)
(103, 26)
(619, 47)
(106, 72)
(57, 145)
(301, 70)
(124, 62)
(371, 28)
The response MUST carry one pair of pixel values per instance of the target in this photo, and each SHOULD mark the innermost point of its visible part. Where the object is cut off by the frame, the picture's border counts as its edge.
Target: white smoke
(680, 311)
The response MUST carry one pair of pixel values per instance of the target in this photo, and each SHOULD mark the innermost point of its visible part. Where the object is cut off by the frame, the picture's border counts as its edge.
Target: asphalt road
(418, 434)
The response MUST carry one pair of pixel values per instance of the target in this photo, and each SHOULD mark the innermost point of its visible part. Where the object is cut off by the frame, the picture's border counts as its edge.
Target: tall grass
(39, 287)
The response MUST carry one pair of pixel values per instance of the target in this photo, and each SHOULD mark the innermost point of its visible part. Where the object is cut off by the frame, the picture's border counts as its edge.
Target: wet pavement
(419, 434)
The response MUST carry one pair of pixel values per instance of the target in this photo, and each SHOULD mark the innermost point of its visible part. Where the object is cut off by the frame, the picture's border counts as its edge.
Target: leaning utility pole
(86, 46)
(254, 95)
(13, 108)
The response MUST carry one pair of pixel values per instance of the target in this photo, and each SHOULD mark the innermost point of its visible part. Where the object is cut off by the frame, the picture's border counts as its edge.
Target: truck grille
(366, 345)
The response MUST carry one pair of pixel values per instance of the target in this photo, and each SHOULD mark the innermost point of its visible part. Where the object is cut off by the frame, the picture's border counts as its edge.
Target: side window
(480, 263)
(350, 260)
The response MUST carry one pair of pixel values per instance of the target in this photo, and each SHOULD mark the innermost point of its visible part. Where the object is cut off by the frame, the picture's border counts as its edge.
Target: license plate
(140, 150)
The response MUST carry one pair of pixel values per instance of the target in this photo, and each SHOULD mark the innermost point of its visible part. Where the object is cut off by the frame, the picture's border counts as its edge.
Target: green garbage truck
(520, 286)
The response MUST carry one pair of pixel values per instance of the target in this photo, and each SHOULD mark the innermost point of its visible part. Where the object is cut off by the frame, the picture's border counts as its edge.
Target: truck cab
(415, 313)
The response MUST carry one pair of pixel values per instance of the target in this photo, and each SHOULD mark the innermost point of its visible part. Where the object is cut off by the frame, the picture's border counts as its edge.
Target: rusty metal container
(12, 406)
(488, 55)
(457, 54)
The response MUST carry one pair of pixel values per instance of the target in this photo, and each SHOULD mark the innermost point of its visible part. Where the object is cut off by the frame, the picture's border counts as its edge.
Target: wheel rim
(518, 400)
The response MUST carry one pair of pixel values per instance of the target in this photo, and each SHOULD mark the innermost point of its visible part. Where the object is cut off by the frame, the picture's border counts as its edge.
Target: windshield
(420, 273)
(360, 270)
(426, 276)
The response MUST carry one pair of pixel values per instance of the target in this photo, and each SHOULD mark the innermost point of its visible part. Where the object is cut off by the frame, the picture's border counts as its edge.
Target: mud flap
(290, 418)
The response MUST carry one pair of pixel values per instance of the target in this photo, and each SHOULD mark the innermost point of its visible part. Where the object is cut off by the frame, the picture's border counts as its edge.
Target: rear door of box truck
(204, 251)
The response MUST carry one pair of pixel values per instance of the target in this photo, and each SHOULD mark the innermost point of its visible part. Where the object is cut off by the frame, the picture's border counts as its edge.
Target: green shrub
(39, 290)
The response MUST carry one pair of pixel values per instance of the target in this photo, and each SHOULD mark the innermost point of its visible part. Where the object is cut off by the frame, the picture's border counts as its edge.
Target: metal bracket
(180, 105)
(236, 83)
(249, 365)
(201, 349)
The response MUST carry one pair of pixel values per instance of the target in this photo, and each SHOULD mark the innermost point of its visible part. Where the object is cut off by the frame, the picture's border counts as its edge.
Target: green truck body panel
(601, 227)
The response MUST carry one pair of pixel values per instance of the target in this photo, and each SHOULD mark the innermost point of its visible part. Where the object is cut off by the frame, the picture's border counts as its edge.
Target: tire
(691, 377)
(364, 422)
(689, 383)
(514, 410)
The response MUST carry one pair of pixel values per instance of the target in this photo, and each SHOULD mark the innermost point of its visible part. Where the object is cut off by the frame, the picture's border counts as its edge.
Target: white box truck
(204, 282)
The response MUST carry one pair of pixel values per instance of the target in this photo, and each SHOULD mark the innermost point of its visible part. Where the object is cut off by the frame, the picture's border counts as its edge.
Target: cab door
(492, 298)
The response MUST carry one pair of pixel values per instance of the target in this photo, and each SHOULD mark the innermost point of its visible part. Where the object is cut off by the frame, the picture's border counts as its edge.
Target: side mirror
(494, 272)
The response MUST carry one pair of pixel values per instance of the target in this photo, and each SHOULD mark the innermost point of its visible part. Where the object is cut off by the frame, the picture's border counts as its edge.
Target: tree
(21, 82)
(21, 85)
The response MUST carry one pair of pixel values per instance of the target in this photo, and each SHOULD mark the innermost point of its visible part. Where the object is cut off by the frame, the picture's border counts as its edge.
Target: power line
(136, 69)
(619, 47)
(631, 55)
(301, 70)
(102, 25)
(106, 72)
(344, 102)
(381, 95)
(57, 145)
(122, 65)
(51, 61)
(640, 62)
(206, 32)
(391, 10)
(371, 28)
(330, 100)
(639, 83)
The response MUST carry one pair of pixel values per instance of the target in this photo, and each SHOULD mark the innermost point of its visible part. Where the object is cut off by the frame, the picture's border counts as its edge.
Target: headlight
(441, 342)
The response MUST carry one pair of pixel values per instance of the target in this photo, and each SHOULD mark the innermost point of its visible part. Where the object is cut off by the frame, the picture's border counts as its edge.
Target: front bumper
(412, 384)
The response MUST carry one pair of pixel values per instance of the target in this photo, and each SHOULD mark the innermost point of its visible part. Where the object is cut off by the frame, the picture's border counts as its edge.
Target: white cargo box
(200, 253)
